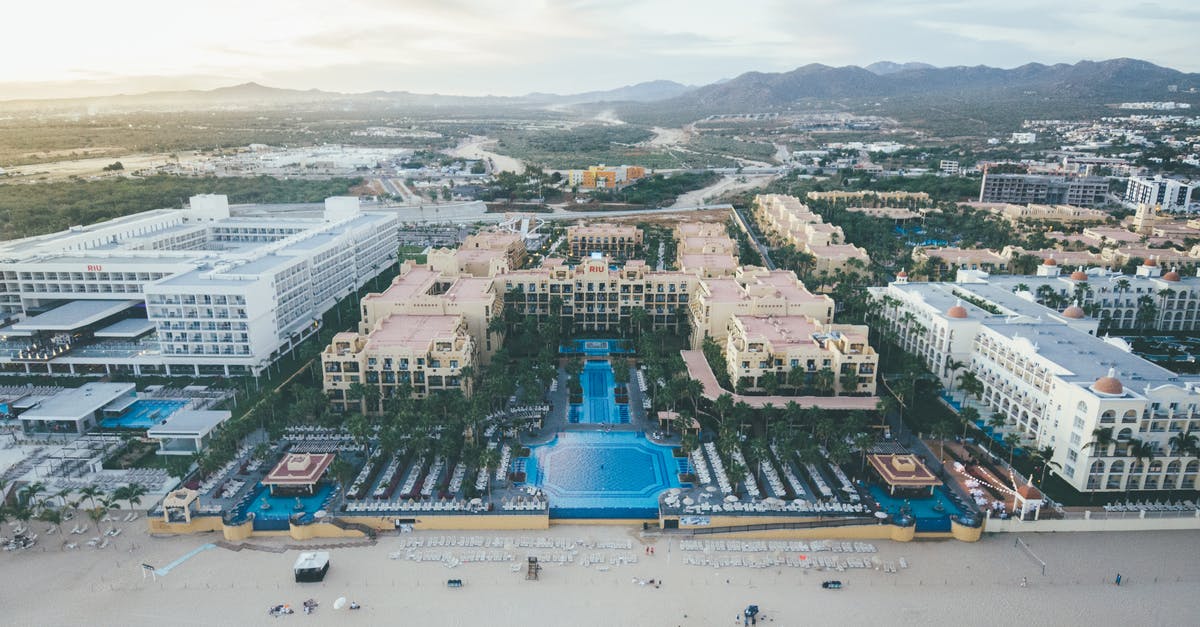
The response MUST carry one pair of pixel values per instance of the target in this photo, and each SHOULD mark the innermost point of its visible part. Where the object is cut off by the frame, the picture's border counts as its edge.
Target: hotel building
(182, 292)
(594, 296)
(1055, 382)
(786, 220)
(619, 241)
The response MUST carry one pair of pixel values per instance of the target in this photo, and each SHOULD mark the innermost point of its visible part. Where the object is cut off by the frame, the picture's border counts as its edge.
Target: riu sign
(95, 267)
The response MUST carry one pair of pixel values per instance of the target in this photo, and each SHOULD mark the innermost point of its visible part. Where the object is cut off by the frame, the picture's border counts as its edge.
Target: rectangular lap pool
(143, 414)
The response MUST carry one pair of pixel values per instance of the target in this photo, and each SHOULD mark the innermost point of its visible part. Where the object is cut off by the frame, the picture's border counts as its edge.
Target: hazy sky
(517, 46)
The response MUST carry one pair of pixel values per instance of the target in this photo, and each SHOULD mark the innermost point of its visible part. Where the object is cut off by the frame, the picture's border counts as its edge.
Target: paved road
(762, 250)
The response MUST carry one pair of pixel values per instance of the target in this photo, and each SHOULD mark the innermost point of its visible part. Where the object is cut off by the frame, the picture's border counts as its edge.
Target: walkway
(699, 370)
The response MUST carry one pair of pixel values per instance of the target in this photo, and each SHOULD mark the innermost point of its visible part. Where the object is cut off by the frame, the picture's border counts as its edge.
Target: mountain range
(1103, 81)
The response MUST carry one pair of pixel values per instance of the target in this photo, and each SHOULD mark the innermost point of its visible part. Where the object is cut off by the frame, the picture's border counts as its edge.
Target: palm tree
(1011, 440)
(1045, 458)
(996, 421)
(1184, 443)
(759, 454)
(1102, 439)
(968, 415)
(1142, 452)
(91, 493)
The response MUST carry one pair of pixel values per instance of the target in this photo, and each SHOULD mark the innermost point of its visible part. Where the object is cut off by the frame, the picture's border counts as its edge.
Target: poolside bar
(905, 471)
(297, 474)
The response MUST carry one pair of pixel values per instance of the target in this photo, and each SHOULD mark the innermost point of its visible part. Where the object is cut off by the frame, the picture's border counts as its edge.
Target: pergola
(177, 505)
(904, 471)
(298, 472)
(666, 419)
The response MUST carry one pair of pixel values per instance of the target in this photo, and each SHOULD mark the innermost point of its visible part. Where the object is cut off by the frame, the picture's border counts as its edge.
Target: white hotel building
(1054, 380)
(182, 292)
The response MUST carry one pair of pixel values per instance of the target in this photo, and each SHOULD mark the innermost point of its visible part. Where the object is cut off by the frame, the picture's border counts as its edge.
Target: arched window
(1189, 475)
(1114, 475)
(1171, 480)
(1124, 434)
(1108, 417)
(1095, 475)
(1130, 416)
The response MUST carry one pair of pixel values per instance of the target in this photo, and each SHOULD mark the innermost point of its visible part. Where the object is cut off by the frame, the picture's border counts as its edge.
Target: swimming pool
(599, 401)
(281, 508)
(925, 510)
(143, 414)
(592, 474)
(595, 347)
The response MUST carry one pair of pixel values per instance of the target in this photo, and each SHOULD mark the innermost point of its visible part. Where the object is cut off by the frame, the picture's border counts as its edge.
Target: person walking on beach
(1118, 579)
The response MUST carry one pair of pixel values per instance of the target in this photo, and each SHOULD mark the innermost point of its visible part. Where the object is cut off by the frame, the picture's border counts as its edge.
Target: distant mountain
(887, 67)
(1099, 81)
(649, 91)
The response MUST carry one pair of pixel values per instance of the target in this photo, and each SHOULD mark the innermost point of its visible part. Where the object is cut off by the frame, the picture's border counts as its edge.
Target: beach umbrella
(731, 499)
(881, 515)
(339, 603)
(711, 488)
(687, 500)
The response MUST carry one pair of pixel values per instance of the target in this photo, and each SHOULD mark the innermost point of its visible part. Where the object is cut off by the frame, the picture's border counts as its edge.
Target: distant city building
(1023, 138)
(1025, 189)
(183, 292)
(601, 177)
(1157, 106)
(948, 167)
(1166, 194)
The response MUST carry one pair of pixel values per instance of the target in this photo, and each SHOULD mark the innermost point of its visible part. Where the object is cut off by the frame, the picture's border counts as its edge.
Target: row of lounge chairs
(1146, 506)
(778, 505)
(775, 546)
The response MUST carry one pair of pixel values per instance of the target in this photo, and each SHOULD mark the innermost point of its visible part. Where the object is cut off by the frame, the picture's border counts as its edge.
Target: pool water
(595, 347)
(599, 402)
(923, 509)
(143, 414)
(283, 507)
(592, 474)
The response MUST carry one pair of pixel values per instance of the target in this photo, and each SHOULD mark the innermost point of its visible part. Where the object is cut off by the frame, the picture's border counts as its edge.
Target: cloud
(481, 46)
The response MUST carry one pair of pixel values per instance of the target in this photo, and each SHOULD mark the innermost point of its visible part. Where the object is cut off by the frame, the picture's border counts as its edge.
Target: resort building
(752, 292)
(705, 249)
(785, 220)
(482, 254)
(886, 197)
(454, 315)
(619, 241)
(74, 411)
(1055, 382)
(758, 345)
(183, 292)
(415, 352)
(600, 177)
(1025, 189)
(943, 262)
(1058, 214)
(186, 431)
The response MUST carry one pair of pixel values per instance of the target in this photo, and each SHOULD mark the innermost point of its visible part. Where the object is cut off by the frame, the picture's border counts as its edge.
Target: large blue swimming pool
(143, 414)
(599, 402)
(592, 474)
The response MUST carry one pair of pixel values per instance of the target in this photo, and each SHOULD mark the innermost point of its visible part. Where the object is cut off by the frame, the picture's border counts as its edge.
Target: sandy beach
(946, 582)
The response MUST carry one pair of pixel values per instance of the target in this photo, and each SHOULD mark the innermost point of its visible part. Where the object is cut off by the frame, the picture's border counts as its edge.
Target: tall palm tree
(968, 415)
(91, 493)
(1011, 440)
(1102, 439)
(1184, 442)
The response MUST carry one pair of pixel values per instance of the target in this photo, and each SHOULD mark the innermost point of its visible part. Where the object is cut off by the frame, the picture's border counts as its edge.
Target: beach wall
(457, 523)
(199, 524)
(1087, 523)
(866, 532)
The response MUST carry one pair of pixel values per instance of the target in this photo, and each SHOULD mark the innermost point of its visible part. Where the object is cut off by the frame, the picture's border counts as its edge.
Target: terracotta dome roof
(901, 275)
(1171, 276)
(1050, 262)
(1073, 311)
(1079, 275)
(1109, 384)
(957, 311)
(1150, 263)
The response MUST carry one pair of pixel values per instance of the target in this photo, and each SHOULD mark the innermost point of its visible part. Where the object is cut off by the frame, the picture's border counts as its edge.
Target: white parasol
(339, 603)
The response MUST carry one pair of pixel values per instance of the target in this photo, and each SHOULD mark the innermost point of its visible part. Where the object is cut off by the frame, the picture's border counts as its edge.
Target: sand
(947, 583)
